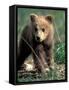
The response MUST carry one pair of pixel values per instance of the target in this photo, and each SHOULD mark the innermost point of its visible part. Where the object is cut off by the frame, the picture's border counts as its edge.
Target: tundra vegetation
(59, 44)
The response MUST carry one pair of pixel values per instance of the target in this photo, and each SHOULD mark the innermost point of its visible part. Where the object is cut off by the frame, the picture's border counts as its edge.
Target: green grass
(59, 53)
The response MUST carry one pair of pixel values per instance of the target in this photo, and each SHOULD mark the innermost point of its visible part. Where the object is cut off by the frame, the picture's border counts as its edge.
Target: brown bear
(37, 38)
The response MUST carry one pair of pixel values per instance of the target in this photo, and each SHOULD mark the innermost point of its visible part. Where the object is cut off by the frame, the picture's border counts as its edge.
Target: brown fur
(44, 48)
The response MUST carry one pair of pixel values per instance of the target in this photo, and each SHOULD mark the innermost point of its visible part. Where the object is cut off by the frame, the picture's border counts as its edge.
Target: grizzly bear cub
(37, 38)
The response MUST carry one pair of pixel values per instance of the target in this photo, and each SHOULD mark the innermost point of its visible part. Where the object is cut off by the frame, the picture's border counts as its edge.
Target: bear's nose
(38, 38)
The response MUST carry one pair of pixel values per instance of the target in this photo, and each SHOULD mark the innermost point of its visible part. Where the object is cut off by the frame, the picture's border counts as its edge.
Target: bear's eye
(43, 29)
(35, 29)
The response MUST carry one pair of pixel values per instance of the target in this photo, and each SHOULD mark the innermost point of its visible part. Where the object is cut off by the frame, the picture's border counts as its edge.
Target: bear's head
(42, 26)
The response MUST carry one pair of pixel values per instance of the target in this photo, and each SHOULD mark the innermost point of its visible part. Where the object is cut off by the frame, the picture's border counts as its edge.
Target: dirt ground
(57, 74)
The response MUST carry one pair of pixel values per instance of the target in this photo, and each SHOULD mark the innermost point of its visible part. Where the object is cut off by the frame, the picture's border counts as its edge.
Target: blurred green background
(59, 20)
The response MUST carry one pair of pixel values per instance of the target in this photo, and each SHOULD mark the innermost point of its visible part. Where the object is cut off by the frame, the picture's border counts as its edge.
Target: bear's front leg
(40, 59)
(49, 56)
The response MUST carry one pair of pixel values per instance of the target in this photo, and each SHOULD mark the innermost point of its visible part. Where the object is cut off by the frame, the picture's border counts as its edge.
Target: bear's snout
(37, 38)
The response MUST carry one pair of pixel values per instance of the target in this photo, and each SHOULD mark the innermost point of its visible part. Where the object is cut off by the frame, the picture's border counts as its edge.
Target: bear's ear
(33, 17)
(49, 18)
